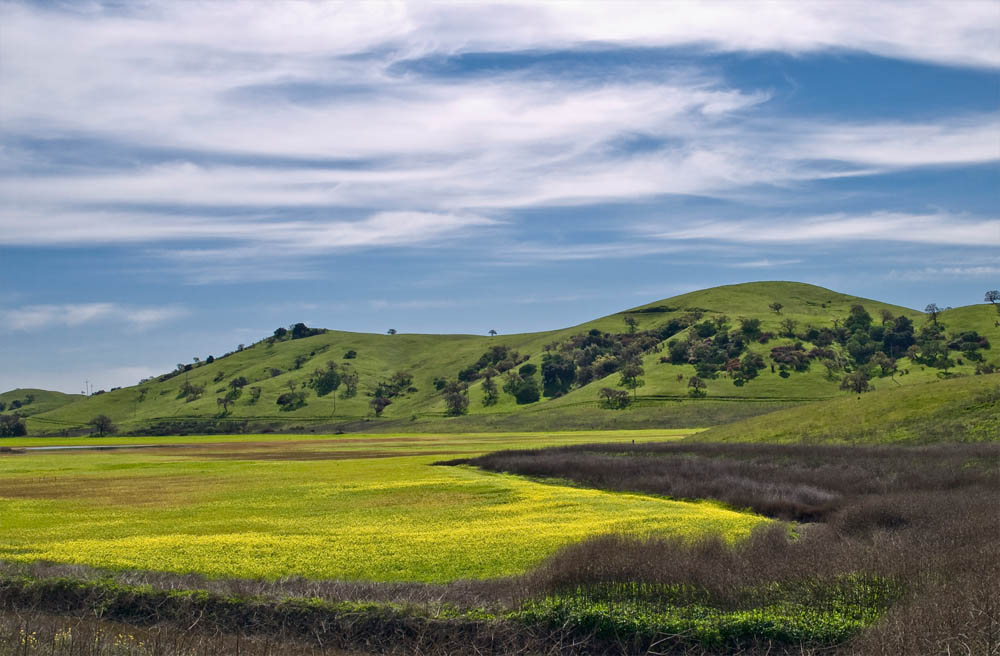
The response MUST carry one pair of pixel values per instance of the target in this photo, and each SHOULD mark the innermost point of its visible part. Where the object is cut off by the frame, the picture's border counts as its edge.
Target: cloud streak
(71, 315)
(942, 229)
(413, 159)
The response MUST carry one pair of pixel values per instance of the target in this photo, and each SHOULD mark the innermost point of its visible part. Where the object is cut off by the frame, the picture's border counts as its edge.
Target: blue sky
(180, 177)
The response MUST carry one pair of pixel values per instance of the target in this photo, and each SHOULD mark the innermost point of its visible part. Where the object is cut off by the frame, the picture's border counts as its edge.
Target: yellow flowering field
(346, 507)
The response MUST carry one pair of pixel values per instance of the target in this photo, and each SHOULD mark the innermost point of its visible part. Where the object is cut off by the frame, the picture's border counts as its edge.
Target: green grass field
(356, 508)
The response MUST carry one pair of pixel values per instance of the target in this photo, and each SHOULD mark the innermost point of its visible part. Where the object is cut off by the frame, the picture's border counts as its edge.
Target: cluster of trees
(12, 425)
(496, 360)
(522, 384)
(596, 354)
(326, 381)
(17, 404)
(190, 391)
(934, 347)
(575, 362)
(712, 348)
(386, 390)
(294, 331)
(292, 399)
(456, 395)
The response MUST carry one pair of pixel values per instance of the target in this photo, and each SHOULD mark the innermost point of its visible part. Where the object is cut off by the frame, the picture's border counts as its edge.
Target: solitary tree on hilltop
(776, 306)
(493, 333)
(993, 296)
(391, 331)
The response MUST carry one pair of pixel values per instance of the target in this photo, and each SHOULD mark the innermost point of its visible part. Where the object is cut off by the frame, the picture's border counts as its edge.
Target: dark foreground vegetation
(907, 535)
(901, 557)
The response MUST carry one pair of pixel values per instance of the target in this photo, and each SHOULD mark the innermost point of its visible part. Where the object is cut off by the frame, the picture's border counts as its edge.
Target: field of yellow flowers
(330, 507)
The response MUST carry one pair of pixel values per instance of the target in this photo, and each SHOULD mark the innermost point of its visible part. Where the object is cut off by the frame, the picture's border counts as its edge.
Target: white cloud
(832, 228)
(263, 236)
(956, 141)
(34, 316)
(935, 273)
(30, 317)
(444, 156)
(764, 264)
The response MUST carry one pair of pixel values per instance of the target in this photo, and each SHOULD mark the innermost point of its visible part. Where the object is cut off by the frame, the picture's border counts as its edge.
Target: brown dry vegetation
(925, 518)
(793, 482)
(58, 635)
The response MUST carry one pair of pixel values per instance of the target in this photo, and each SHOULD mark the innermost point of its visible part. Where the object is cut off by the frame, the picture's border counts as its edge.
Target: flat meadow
(369, 508)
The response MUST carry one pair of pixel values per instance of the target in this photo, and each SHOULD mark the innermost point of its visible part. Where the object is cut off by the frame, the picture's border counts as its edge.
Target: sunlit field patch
(341, 508)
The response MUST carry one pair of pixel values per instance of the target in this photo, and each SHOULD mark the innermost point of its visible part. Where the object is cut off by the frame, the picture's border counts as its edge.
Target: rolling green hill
(273, 366)
(957, 410)
(36, 401)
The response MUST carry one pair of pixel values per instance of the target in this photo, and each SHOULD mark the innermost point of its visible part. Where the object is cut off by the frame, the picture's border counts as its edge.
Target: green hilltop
(718, 327)
(28, 401)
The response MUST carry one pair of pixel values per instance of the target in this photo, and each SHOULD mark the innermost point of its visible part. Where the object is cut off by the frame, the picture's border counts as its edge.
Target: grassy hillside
(36, 401)
(962, 409)
(662, 400)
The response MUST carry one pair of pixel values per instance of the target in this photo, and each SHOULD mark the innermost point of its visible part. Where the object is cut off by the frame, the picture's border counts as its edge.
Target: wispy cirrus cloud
(260, 234)
(938, 228)
(424, 155)
(933, 273)
(31, 317)
(764, 263)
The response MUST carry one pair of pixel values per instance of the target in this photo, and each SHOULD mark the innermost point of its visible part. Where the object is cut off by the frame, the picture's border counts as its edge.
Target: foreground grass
(796, 615)
(344, 508)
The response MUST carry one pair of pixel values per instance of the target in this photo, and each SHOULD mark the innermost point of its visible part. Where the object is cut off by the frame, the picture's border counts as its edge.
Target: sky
(177, 178)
